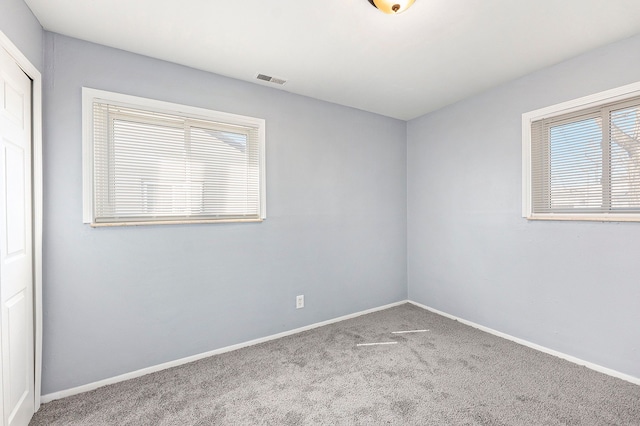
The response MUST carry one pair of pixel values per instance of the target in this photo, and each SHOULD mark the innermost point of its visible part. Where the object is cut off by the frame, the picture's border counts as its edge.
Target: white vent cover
(271, 79)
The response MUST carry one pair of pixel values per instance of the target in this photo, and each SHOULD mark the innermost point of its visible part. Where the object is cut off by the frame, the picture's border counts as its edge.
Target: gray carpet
(451, 375)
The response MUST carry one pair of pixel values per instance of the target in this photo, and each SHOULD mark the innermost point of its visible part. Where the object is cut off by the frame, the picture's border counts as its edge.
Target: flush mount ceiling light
(392, 7)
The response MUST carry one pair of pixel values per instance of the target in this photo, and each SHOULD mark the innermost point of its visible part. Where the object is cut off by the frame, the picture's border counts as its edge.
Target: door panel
(14, 104)
(16, 283)
(15, 313)
(14, 164)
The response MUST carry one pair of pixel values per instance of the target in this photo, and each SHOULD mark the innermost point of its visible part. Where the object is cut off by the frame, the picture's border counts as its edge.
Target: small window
(581, 159)
(152, 162)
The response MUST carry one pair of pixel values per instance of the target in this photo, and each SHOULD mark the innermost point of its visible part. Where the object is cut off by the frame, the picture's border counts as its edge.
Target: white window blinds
(158, 166)
(587, 162)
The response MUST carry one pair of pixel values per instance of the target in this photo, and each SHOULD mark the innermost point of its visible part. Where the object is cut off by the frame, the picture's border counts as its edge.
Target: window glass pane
(625, 158)
(148, 178)
(220, 160)
(576, 165)
(156, 165)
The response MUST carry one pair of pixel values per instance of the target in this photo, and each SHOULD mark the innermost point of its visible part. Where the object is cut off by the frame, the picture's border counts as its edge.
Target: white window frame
(576, 105)
(89, 96)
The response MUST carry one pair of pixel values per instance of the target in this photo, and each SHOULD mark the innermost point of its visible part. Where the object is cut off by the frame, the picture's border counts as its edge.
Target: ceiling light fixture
(391, 7)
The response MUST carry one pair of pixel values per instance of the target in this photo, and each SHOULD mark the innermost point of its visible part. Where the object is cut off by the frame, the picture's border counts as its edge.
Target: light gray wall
(116, 300)
(120, 299)
(23, 29)
(570, 286)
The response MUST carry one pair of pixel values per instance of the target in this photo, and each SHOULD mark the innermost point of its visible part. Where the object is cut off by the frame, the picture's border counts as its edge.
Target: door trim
(36, 153)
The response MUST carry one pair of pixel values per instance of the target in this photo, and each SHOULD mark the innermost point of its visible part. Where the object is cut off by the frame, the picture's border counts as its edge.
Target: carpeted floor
(450, 375)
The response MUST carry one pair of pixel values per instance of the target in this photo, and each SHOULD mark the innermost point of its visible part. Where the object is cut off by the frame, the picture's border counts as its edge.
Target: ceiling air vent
(271, 79)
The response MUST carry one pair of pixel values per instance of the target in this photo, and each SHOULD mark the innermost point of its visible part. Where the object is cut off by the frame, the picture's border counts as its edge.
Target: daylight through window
(153, 162)
(586, 163)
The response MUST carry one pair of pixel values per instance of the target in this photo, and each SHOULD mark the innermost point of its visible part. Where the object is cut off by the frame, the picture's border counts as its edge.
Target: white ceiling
(346, 51)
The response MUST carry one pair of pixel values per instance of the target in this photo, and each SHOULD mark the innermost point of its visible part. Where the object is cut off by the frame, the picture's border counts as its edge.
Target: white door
(16, 289)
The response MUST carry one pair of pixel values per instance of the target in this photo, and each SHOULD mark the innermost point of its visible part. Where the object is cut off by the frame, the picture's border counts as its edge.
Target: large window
(150, 162)
(581, 159)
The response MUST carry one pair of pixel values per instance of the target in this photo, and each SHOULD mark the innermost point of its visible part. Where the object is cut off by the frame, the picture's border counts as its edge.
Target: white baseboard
(592, 366)
(138, 373)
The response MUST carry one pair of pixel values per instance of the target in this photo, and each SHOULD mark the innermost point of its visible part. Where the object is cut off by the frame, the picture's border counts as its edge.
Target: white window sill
(172, 222)
(588, 218)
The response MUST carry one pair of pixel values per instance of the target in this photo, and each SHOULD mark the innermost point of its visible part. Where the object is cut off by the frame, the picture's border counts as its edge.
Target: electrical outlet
(300, 301)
